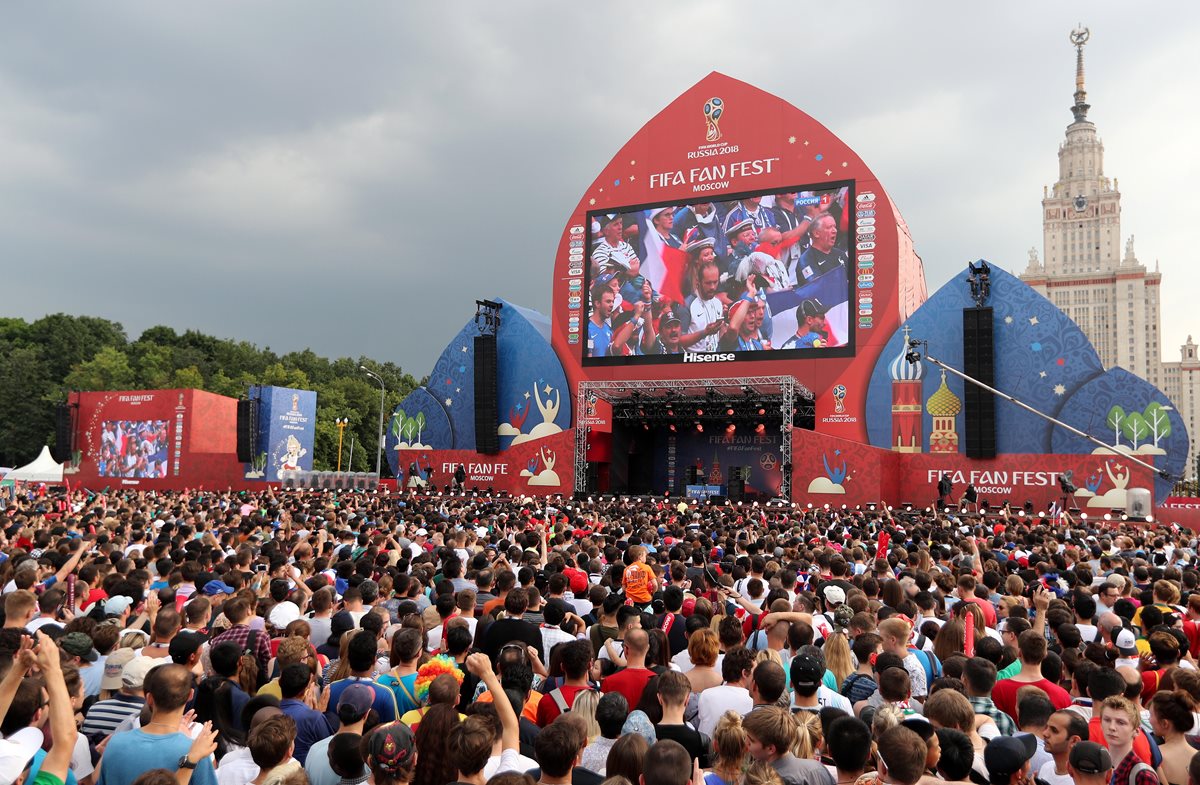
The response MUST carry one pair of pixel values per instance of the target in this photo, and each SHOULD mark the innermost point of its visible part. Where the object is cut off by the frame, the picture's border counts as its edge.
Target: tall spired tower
(907, 431)
(1108, 293)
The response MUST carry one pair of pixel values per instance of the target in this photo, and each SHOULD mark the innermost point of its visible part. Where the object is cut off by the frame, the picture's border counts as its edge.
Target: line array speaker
(247, 430)
(487, 421)
(979, 363)
(63, 434)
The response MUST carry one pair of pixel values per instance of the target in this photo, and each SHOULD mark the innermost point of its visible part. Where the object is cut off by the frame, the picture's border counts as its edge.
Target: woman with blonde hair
(729, 745)
(760, 773)
(837, 659)
(584, 708)
(808, 735)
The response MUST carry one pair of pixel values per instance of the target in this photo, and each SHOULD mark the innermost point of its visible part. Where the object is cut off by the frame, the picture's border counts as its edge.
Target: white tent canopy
(42, 469)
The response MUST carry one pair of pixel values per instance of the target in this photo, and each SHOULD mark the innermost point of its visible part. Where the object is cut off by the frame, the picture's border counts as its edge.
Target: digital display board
(760, 275)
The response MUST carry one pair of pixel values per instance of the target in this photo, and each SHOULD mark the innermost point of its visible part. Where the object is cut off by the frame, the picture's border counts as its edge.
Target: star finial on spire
(1079, 37)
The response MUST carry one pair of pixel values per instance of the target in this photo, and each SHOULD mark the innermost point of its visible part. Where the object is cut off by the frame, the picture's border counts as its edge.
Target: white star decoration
(449, 401)
(527, 395)
(457, 389)
(791, 140)
(1042, 374)
(1033, 320)
(1059, 389)
(548, 389)
(806, 143)
(591, 201)
(844, 164)
(828, 172)
(632, 177)
(464, 348)
(1008, 320)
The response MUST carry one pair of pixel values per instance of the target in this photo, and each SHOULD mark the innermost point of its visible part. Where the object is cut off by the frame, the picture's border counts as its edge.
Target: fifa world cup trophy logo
(839, 399)
(713, 109)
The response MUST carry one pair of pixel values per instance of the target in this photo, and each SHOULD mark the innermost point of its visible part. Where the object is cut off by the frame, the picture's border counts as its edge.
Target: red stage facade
(154, 439)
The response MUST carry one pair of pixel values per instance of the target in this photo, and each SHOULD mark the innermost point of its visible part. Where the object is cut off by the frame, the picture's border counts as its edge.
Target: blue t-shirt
(385, 700)
(132, 753)
(599, 337)
(36, 766)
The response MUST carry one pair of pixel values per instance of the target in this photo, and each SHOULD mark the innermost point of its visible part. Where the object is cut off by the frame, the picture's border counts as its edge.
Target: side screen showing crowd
(134, 448)
(758, 273)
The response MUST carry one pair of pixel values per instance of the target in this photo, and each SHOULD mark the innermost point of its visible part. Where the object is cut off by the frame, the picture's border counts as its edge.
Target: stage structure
(691, 403)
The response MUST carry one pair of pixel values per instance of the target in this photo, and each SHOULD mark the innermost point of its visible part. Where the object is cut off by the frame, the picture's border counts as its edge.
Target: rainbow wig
(431, 670)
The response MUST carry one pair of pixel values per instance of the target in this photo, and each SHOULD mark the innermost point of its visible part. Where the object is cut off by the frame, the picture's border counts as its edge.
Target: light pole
(342, 422)
(379, 433)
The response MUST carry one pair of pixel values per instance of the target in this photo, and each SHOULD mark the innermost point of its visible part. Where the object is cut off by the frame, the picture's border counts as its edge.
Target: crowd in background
(312, 637)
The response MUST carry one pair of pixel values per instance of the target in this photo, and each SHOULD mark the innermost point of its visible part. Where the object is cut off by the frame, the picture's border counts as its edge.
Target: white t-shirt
(715, 701)
(1046, 773)
(508, 760)
(704, 313)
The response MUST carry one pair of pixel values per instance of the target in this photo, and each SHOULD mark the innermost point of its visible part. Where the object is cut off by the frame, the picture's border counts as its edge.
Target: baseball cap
(78, 644)
(214, 587)
(1090, 758)
(357, 699)
(16, 751)
(806, 671)
(392, 747)
(134, 672)
(1126, 644)
(114, 665)
(1005, 755)
(834, 595)
(115, 606)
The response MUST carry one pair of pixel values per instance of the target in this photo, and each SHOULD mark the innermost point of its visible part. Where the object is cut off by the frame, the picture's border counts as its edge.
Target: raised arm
(481, 666)
(62, 716)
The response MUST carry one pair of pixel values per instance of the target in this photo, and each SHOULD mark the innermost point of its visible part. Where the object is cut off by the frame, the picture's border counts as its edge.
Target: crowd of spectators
(292, 637)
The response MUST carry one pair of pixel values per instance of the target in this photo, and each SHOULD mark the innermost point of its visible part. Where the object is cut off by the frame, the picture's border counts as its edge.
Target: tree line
(43, 360)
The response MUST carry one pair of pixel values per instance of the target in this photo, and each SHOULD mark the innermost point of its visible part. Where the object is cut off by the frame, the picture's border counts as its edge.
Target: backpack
(1137, 769)
(931, 664)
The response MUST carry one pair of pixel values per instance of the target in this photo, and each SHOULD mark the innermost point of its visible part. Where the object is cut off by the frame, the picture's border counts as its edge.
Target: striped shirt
(104, 717)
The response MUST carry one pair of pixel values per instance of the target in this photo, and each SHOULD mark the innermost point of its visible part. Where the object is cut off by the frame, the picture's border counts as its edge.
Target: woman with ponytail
(729, 747)
(1171, 717)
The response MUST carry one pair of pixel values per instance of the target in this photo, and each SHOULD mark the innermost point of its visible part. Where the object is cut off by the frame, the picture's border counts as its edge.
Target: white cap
(1126, 644)
(16, 751)
(834, 595)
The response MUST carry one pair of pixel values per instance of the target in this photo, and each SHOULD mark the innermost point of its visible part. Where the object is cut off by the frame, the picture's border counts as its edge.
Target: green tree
(27, 417)
(1157, 421)
(188, 378)
(1116, 417)
(1135, 428)
(67, 341)
(108, 370)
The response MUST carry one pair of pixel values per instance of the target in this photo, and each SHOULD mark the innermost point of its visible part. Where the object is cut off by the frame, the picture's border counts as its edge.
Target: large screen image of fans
(763, 275)
(133, 448)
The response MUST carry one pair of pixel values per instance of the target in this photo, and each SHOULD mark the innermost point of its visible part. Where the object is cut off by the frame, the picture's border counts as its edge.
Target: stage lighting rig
(979, 279)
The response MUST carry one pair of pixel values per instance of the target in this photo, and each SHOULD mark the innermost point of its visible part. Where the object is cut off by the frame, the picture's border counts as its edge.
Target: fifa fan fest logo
(713, 109)
(839, 399)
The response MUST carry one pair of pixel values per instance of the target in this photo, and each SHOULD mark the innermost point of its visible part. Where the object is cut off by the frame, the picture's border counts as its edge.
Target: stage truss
(785, 389)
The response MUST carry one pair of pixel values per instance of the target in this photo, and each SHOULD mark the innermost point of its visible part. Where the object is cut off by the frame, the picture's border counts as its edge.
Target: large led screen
(763, 275)
(134, 448)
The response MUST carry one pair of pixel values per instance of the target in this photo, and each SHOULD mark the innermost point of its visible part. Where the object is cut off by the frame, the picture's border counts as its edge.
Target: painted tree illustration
(1157, 421)
(1135, 428)
(1115, 419)
(420, 421)
(410, 429)
(398, 425)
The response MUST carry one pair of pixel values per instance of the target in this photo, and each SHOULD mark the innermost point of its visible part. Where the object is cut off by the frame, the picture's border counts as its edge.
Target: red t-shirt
(630, 683)
(1004, 694)
(547, 708)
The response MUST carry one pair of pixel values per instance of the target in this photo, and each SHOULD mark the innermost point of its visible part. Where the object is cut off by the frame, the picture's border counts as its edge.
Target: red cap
(689, 607)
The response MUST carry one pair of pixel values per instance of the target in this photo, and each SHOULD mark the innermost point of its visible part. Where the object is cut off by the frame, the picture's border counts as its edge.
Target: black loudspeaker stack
(691, 475)
(63, 433)
(247, 430)
(737, 484)
(487, 421)
(979, 405)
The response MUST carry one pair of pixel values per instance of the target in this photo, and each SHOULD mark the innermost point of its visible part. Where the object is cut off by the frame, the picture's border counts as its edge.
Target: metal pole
(379, 433)
(1115, 450)
(350, 462)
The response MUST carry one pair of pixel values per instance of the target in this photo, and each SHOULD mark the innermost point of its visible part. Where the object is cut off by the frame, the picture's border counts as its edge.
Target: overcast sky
(350, 177)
